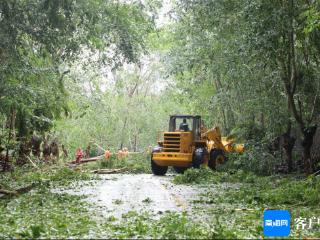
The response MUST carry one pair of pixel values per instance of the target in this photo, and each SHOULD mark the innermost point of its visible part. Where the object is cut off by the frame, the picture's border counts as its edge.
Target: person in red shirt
(79, 155)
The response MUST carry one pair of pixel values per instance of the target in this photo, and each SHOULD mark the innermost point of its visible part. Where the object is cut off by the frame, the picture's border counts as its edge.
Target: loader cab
(193, 124)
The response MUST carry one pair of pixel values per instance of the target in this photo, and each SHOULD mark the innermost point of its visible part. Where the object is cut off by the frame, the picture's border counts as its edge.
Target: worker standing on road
(79, 155)
(125, 152)
(120, 154)
(107, 154)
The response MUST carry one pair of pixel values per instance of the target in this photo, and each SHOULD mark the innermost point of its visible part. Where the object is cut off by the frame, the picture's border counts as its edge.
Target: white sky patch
(164, 14)
(150, 64)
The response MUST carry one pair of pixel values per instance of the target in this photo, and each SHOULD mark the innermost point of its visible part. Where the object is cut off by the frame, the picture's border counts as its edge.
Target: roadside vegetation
(133, 163)
(231, 203)
(46, 213)
(40, 212)
(237, 198)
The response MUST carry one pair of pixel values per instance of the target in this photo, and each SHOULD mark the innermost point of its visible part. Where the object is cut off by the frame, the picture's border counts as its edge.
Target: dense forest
(106, 75)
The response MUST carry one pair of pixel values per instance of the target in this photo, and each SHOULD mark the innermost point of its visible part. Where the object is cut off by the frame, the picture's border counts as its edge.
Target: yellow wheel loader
(189, 144)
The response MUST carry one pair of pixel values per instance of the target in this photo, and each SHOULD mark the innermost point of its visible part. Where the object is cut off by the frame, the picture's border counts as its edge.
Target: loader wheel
(199, 157)
(158, 170)
(216, 157)
(180, 169)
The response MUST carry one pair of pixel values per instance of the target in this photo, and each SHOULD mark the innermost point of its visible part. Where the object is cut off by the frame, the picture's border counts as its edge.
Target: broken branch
(109, 171)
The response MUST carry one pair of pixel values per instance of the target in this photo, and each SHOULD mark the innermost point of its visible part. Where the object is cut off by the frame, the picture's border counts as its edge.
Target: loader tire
(180, 169)
(158, 170)
(199, 156)
(216, 157)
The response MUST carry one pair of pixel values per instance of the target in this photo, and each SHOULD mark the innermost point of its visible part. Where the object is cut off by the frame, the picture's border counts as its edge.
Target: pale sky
(164, 17)
(107, 76)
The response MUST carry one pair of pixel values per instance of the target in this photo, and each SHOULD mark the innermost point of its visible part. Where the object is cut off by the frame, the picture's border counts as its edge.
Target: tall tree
(40, 38)
(278, 34)
(261, 59)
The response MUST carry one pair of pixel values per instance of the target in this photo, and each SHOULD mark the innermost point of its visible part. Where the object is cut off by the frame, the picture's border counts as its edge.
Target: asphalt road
(117, 194)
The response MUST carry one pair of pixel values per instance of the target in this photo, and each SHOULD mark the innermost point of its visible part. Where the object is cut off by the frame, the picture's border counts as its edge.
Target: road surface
(116, 194)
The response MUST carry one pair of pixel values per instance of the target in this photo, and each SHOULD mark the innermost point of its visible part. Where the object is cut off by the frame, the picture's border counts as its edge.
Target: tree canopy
(250, 67)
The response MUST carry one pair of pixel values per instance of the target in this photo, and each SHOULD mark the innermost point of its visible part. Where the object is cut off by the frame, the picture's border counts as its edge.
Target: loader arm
(214, 135)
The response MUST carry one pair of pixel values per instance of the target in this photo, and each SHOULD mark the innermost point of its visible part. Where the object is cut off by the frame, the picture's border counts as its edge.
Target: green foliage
(273, 190)
(42, 213)
(61, 215)
(103, 163)
(312, 15)
(193, 175)
(56, 215)
(147, 200)
(248, 131)
(229, 61)
(170, 225)
(65, 175)
(254, 159)
(134, 163)
(237, 200)
(129, 113)
(117, 202)
(55, 176)
(303, 192)
(39, 41)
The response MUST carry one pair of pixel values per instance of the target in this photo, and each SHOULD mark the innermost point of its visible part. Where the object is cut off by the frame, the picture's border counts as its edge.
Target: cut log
(8, 192)
(245, 209)
(27, 188)
(109, 171)
(85, 160)
(18, 191)
(93, 159)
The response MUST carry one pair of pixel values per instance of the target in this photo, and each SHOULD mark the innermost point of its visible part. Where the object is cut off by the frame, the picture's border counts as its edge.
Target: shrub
(193, 175)
(137, 163)
(255, 159)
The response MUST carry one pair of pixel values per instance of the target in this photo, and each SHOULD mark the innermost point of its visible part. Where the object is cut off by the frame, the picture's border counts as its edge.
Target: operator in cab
(184, 126)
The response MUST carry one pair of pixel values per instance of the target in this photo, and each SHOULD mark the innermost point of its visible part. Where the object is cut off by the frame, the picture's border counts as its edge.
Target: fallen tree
(109, 171)
(19, 191)
(86, 160)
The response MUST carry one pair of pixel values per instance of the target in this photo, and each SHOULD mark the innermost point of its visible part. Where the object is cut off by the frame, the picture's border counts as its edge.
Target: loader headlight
(157, 149)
